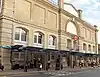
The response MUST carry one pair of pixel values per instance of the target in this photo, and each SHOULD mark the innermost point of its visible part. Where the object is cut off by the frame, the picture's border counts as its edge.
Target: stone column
(96, 39)
(72, 44)
(5, 60)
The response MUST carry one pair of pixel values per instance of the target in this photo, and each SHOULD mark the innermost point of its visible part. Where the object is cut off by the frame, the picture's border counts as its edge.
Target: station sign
(76, 38)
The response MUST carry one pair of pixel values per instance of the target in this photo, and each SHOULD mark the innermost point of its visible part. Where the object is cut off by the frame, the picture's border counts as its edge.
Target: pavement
(50, 72)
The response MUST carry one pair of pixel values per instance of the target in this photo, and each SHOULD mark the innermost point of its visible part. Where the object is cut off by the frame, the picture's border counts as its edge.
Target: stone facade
(42, 16)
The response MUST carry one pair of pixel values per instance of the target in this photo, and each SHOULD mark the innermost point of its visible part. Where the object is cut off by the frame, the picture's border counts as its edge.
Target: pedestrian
(48, 64)
(1, 67)
(61, 66)
(40, 66)
(73, 64)
(25, 67)
(39, 63)
(80, 64)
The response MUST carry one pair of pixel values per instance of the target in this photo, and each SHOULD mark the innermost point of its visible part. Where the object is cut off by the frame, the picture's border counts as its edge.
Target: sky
(91, 11)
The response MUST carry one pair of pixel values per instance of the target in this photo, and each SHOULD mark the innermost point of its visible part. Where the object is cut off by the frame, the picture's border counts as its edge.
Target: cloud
(91, 11)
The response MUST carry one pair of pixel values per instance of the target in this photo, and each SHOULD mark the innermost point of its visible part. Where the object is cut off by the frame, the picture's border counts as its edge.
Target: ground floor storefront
(45, 59)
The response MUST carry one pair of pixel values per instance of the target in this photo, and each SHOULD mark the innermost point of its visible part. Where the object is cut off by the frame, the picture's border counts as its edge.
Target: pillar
(5, 58)
(96, 39)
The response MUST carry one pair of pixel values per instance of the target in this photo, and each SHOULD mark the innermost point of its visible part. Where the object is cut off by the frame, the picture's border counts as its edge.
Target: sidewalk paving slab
(30, 71)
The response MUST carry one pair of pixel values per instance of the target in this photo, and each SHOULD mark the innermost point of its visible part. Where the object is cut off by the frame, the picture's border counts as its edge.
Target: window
(16, 55)
(93, 48)
(22, 56)
(52, 40)
(17, 34)
(20, 34)
(69, 44)
(89, 47)
(23, 35)
(84, 47)
(71, 28)
(35, 38)
(38, 38)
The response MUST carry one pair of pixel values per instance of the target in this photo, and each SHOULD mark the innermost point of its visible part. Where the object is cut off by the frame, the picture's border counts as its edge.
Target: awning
(77, 53)
(32, 49)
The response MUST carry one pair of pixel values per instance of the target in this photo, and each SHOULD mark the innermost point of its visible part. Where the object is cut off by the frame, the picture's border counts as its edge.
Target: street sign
(76, 37)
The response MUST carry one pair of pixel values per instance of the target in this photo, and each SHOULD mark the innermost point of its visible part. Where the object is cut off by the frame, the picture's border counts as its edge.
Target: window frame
(20, 35)
(36, 34)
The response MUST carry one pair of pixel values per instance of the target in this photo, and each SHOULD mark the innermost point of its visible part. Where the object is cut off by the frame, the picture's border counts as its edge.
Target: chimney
(80, 13)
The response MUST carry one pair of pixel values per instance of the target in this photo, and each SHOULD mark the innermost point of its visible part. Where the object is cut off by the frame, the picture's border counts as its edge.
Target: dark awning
(32, 49)
(77, 53)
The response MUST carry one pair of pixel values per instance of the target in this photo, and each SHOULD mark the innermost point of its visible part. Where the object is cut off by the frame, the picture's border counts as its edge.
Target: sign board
(76, 37)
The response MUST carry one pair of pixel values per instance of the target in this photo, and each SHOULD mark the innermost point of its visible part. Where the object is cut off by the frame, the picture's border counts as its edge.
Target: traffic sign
(76, 37)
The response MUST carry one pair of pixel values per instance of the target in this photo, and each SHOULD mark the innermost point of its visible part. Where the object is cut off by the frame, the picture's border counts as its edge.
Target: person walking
(39, 63)
(73, 64)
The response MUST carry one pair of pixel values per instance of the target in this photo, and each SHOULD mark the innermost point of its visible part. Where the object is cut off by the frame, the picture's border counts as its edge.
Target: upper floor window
(71, 28)
(89, 47)
(38, 38)
(20, 34)
(69, 44)
(52, 40)
(93, 48)
(84, 47)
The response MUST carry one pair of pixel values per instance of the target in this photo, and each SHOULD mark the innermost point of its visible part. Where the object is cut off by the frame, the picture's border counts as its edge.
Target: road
(85, 73)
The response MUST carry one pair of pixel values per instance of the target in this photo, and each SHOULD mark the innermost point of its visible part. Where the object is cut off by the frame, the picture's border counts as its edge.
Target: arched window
(89, 47)
(71, 28)
(84, 47)
(20, 34)
(69, 44)
(20, 39)
(93, 48)
(38, 38)
(74, 45)
(52, 40)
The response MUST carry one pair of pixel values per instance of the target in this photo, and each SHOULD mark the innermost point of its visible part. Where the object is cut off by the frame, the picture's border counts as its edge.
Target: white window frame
(50, 42)
(20, 41)
(37, 44)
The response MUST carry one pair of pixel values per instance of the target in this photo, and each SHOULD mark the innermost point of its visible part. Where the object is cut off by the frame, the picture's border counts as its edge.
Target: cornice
(26, 23)
(48, 4)
(71, 36)
(55, 8)
(77, 19)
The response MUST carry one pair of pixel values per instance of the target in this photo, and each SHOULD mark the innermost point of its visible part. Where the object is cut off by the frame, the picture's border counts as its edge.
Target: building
(39, 23)
(99, 48)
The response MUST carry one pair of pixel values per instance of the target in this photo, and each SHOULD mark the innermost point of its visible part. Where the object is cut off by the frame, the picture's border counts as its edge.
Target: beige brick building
(39, 23)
